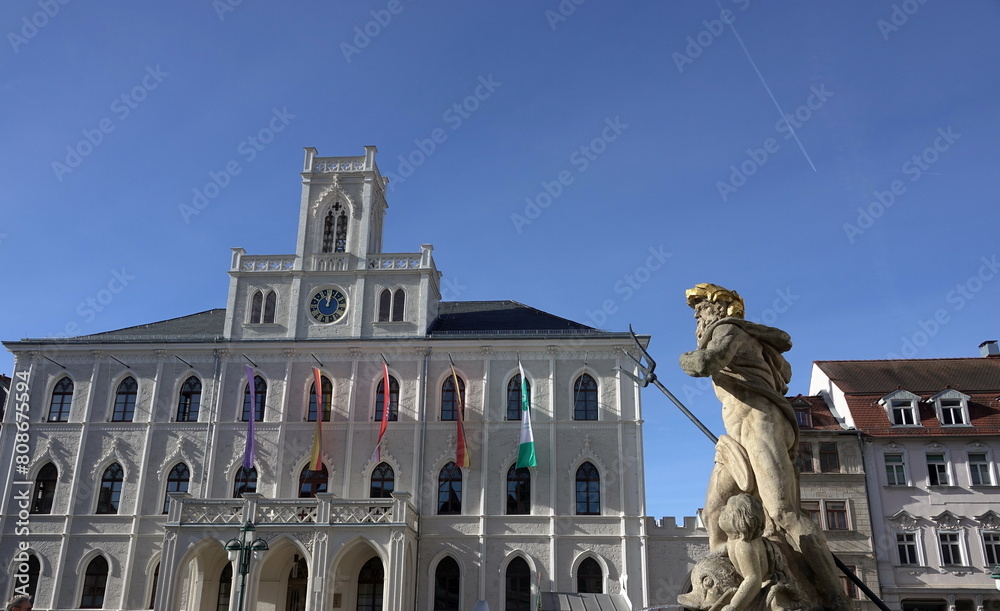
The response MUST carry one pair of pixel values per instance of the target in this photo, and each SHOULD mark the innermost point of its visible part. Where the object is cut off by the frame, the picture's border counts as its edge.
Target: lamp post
(996, 576)
(240, 549)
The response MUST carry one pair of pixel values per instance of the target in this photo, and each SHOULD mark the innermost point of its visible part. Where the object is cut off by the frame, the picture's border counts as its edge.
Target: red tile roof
(865, 382)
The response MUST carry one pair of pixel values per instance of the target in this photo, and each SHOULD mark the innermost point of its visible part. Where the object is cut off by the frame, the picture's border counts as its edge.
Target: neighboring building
(931, 435)
(4, 392)
(832, 483)
(137, 440)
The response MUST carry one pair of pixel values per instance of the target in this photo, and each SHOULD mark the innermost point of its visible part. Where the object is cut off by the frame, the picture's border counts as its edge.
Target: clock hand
(329, 296)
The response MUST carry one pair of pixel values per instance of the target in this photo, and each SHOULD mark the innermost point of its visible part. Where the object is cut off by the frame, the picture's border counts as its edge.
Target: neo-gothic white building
(133, 480)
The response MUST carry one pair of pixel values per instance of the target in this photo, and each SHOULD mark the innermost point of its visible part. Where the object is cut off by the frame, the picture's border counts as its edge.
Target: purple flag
(249, 451)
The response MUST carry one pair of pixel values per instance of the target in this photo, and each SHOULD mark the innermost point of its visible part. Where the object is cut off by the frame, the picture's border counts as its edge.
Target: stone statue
(756, 456)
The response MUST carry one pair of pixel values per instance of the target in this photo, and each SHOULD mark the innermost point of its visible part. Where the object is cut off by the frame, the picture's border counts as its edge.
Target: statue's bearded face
(707, 312)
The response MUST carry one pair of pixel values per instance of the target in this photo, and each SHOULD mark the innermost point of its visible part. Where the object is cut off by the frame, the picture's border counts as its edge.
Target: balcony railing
(325, 509)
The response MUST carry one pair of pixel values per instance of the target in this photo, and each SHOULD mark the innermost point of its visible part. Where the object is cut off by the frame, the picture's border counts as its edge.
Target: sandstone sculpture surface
(785, 563)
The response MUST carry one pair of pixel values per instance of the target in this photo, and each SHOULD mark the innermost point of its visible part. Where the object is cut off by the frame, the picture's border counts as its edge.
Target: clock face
(327, 305)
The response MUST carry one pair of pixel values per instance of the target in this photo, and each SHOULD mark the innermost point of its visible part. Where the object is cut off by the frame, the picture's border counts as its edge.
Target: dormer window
(901, 408)
(803, 412)
(951, 407)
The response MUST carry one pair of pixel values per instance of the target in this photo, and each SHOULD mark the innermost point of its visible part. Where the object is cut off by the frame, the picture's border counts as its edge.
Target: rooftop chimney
(989, 348)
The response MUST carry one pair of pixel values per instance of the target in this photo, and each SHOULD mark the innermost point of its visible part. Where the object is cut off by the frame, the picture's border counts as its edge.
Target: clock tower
(338, 284)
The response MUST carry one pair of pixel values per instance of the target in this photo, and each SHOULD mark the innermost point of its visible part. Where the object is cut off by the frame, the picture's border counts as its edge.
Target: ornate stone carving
(947, 520)
(903, 520)
(989, 520)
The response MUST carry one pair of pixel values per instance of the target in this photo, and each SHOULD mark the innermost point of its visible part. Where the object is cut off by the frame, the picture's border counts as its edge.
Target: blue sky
(611, 156)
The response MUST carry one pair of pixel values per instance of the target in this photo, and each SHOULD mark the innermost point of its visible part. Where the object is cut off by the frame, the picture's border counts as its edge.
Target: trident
(647, 377)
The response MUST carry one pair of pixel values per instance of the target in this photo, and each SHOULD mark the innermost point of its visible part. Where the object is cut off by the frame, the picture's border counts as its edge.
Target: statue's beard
(703, 323)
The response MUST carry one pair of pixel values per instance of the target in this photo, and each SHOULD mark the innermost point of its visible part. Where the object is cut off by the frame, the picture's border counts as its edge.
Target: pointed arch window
(313, 482)
(256, 306)
(589, 577)
(514, 397)
(263, 305)
(371, 580)
(585, 398)
(45, 489)
(245, 481)
(447, 585)
(383, 482)
(125, 400)
(517, 595)
(327, 388)
(450, 490)
(335, 229)
(62, 400)
(189, 400)
(588, 490)
(177, 481)
(34, 570)
(156, 582)
(260, 392)
(95, 582)
(518, 491)
(270, 304)
(391, 305)
(225, 588)
(449, 400)
(110, 494)
(393, 399)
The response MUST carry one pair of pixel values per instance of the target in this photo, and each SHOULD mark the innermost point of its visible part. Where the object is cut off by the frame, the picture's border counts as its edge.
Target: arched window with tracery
(450, 490)
(517, 591)
(449, 400)
(313, 482)
(45, 489)
(383, 482)
(110, 494)
(588, 490)
(393, 398)
(518, 491)
(177, 481)
(327, 388)
(225, 588)
(514, 397)
(125, 397)
(589, 577)
(189, 400)
(95, 582)
(391, 305)
(447, 585)
(62, 400)
(371, 580)
(260, 394)
(256, 306)
(335, 229)
(34, 570)
(270, 304)
(245, 481)
(585, 398)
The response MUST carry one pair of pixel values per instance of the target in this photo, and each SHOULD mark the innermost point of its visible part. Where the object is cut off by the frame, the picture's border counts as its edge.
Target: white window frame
(946, 463)
(987, 462)
(995, 544)
(951, 395)
(906, 471)
(823, 522)
(901, 399)
(959, 544)
(917, 547)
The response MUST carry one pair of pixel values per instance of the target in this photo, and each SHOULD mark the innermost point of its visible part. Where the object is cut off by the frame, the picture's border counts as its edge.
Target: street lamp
(240, 550)
(996, 576)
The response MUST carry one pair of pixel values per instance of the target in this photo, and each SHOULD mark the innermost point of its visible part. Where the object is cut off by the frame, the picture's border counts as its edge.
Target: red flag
(461, 451)
(377, 454)
(315, 460)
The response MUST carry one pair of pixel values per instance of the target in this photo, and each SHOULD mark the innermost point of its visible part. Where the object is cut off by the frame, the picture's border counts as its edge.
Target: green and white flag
(526, 451)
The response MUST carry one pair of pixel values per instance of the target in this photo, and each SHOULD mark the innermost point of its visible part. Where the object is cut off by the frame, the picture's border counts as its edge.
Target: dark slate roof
(472, 317)
(920, 376)
(195, 327)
